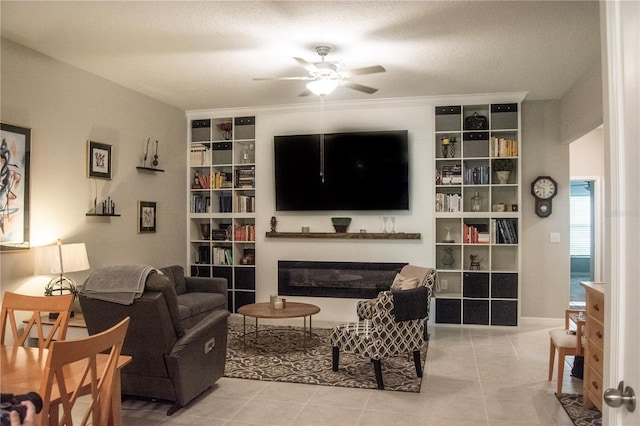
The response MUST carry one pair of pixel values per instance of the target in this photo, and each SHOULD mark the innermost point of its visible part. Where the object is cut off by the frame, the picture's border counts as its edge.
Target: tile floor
(473, 376)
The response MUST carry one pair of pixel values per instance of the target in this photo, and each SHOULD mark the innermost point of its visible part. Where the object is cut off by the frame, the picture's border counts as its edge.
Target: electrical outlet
(444, 284)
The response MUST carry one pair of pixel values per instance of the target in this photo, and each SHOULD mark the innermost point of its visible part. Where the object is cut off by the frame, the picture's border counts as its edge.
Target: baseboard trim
(551, 322)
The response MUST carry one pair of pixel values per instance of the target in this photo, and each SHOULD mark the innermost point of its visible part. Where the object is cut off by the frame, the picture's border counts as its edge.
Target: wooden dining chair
(96, 379)
(568, 343)
(14, 305)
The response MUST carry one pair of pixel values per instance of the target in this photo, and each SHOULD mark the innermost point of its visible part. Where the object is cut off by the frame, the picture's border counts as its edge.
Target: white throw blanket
(117, 283)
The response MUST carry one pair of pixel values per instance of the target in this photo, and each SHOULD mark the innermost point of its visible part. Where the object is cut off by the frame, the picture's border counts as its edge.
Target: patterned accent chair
(425, 276)
(385, 334)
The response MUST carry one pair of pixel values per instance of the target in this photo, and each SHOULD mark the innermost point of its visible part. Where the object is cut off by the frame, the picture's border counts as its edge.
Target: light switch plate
(554, 237)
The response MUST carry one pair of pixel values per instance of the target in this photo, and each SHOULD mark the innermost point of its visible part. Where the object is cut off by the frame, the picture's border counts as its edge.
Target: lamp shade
(74, 258)
(323, 86)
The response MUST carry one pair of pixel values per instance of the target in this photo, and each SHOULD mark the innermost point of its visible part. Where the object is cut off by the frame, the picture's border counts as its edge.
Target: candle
(445, 141)
(277, 304)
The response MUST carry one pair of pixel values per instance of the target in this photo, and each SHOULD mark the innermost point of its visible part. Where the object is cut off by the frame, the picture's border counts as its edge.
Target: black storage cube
(245, 128)
(448, 118)
(200, 271)
(448, 311)
(504, 116)
(200, 130)
(476, 312)
(476, 285)
(246, 278)
(504, 312)
(504, 286)
(224, 272)
(243, 298)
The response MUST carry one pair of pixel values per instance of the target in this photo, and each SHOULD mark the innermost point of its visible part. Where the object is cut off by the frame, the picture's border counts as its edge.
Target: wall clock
(543, 189)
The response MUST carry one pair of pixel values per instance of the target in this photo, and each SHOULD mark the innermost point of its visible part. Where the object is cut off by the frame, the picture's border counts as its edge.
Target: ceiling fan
(325, 76)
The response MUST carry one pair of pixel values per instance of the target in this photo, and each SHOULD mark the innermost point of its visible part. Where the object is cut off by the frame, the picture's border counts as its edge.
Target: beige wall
(581, 106)
(587, 155)
(65, 107)
(545, 265)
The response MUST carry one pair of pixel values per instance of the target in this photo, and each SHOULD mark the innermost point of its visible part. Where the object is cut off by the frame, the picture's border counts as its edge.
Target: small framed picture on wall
(98, 160)
(146, 216)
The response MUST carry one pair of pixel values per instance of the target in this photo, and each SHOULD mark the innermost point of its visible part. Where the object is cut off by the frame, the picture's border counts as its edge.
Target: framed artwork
(98, 160)
(15, 152)
(146, 216)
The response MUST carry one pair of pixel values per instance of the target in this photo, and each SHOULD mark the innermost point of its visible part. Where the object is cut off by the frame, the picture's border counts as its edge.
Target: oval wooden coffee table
(264, 310)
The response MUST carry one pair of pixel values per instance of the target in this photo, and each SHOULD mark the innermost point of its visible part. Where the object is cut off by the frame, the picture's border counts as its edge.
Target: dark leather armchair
(177, 335)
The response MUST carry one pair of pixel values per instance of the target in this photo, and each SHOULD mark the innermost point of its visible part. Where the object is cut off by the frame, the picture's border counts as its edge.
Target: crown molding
(405, 102)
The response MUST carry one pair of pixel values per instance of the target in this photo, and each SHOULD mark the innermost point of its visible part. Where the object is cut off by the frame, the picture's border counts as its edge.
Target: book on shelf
(221, 180)
(204, 255)
(245, 178)
(448, 203)
(475, 234)
(200, 203)
(244, 203)
(200, 155)
(244, 233)
(505, 231)
(451, 174)
(226, 203)
(476, 175)
(219, 234)
(502, 147)
(222, 256)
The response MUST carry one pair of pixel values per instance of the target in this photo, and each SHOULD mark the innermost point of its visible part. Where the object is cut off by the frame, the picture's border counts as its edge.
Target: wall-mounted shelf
(347, 235)
(102, 214)
(150, 169)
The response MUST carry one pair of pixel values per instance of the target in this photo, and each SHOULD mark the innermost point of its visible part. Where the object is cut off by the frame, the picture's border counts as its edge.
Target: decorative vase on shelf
(476, 202)
(503, 176)
(448, 238)
(205, 228)
(390, 227)
(447, 258)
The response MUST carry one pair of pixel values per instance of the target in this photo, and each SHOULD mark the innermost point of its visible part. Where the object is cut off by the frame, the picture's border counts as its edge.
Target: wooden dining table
(22, 371)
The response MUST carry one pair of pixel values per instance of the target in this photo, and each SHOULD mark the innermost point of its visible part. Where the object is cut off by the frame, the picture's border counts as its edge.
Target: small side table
(77, 328)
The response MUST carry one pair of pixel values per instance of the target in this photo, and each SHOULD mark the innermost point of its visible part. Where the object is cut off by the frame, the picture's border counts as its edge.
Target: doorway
(582, 238)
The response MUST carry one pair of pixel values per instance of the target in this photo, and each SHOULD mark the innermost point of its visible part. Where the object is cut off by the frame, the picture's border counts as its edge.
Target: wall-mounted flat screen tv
(342, 171)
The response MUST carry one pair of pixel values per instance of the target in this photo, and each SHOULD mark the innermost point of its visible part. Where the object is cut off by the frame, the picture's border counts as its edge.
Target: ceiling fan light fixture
(323, 87)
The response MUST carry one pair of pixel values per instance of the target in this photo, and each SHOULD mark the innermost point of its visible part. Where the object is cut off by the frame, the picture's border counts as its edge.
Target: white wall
(65, 106)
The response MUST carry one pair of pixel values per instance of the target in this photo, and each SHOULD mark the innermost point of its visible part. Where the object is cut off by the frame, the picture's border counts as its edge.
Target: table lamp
(60, 259)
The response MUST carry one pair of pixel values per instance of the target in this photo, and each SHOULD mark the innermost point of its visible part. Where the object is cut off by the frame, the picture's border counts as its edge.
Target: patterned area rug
(580, 416)
(281, 355)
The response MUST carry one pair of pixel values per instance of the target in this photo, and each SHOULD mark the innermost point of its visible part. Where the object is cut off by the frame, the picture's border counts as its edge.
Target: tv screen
(342, 171)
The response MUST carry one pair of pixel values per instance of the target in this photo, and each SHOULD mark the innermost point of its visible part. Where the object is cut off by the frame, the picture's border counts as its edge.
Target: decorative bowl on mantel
(340, 224)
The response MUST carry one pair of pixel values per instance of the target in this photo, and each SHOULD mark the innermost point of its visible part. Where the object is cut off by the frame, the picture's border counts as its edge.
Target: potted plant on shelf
(503, 168)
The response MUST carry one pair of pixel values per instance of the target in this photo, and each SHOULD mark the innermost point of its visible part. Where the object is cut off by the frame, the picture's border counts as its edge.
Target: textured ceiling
(200, 55)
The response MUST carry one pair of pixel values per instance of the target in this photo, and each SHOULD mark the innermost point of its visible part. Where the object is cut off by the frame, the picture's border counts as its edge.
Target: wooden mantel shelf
(347, 235)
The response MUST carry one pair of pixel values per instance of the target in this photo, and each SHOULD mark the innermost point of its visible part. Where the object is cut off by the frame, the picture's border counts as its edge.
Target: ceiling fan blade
(284, 78)
(306, 65)
(359, 87)
(362, 71)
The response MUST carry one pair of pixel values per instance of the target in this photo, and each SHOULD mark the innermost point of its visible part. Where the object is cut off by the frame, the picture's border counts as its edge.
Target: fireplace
(361, 280)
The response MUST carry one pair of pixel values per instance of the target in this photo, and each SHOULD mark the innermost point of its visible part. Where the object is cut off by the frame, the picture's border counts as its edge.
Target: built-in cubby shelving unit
(346, 235)
(477, 213)
(221, 220)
